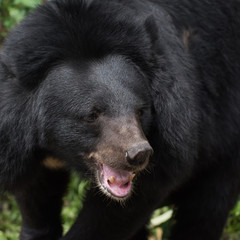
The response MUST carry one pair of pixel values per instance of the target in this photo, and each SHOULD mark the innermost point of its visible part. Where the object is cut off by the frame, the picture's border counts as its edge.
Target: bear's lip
(114, 182)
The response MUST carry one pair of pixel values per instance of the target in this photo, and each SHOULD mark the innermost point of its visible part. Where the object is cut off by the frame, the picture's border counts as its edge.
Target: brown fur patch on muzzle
(119, 135)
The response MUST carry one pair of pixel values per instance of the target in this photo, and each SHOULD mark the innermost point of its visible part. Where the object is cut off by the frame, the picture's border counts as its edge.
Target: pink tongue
(121, 185)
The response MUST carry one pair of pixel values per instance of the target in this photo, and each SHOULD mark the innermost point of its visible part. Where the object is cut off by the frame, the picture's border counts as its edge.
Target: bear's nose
(139, 153)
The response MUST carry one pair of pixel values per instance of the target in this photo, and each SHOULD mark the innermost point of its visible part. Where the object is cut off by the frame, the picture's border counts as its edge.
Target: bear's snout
(123, 145)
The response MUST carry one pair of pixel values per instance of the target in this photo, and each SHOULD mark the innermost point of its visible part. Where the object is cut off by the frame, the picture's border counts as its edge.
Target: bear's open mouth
(116, 183)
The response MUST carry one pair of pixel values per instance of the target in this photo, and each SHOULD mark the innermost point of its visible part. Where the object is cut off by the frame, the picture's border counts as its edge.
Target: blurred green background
(11, 12)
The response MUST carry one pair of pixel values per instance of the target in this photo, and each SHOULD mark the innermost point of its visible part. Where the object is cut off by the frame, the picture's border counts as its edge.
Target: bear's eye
(139, 112)
(92, 117)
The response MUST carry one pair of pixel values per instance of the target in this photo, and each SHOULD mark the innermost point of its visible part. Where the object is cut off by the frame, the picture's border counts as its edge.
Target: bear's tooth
(112, 179)
(132, 176)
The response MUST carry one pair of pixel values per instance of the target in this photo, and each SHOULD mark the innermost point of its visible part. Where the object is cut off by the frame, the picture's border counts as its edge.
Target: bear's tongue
(117, 182)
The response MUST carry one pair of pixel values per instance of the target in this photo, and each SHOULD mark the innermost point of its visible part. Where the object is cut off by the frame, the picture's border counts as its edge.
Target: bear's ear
(174, 89)
(5, 71)
(28, 69)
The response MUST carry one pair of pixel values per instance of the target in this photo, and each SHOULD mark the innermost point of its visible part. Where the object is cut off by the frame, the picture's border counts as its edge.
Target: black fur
(179, 61)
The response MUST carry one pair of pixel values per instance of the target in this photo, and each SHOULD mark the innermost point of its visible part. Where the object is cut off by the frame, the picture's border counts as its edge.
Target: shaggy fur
(73, 68)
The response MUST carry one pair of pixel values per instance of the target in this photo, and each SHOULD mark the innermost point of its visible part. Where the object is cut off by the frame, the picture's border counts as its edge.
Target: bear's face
(96, 114)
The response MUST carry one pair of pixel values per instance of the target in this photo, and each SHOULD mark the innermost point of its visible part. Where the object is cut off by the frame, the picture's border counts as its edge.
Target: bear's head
(96, 116)
(85, 88)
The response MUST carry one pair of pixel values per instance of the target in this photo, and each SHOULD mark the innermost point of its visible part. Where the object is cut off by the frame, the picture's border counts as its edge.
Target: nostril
(141, 157)
(139, 154)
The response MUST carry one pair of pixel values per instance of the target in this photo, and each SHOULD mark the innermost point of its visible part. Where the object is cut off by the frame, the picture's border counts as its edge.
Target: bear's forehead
(114, 71)
(110, 81)
(112, 78)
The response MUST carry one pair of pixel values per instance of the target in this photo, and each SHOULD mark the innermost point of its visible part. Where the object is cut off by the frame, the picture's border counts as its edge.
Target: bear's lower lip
(116, 183)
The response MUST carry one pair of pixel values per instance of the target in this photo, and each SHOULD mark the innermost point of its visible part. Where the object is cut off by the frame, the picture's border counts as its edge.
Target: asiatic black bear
(141, 96)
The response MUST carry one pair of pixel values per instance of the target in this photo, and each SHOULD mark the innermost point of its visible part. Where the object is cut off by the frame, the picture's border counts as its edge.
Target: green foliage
(73, 202)
(12, 11)
(10, 219)
(232, 229)
(161, 218)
